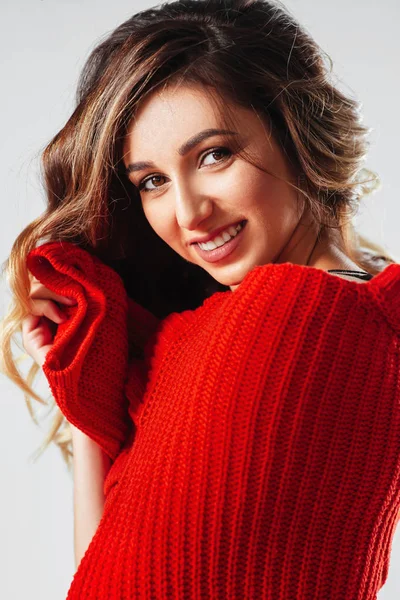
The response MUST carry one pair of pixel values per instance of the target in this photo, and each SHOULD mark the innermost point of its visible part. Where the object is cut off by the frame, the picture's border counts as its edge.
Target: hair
(250, 53)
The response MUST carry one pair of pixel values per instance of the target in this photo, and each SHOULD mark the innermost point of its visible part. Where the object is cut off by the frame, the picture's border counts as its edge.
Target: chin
(229, 283)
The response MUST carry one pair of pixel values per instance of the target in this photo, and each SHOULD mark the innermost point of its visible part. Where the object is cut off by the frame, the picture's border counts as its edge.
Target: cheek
(271, 199)
(161, 222)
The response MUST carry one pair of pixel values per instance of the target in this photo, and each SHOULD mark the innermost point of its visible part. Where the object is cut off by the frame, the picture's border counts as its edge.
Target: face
(190, 191)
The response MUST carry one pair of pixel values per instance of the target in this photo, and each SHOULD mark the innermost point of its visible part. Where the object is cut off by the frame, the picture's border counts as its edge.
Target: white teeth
(222, 238)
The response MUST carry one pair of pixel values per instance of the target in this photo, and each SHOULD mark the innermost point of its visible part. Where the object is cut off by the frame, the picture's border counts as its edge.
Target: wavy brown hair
(251, 53)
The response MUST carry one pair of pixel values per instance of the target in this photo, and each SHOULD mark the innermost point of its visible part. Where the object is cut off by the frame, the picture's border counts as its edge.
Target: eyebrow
(184, 149)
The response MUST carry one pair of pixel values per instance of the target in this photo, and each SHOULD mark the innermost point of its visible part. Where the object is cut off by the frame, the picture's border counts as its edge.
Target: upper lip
(213, 234)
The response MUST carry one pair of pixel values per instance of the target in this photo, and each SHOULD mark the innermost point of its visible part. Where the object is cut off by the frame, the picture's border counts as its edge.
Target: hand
(40, 326)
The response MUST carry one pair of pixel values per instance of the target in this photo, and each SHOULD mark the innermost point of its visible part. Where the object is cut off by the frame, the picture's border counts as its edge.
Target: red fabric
(265, 459)
(88, 363)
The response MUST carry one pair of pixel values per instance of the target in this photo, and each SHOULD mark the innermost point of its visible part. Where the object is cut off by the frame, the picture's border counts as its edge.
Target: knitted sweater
(256, 446)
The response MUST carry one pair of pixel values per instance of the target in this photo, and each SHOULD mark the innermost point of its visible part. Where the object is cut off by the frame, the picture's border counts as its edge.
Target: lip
(220, 253)
(214, 234)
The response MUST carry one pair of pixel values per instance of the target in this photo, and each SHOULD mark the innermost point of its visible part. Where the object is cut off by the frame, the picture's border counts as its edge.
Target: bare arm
(90, 467)
(90, 463)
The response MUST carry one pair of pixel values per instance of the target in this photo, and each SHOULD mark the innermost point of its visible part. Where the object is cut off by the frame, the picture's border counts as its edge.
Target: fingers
(45, 294)
(29, 324)
(47, 308)
(34, 326)
(40, 292)
(38, 337)
(39, 327)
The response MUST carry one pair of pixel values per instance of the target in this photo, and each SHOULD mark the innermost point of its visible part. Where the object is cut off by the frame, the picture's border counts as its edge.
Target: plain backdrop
(44, 44)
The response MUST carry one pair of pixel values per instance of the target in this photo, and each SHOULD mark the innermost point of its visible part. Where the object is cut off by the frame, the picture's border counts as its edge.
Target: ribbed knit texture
(264, 461)
(88, 363)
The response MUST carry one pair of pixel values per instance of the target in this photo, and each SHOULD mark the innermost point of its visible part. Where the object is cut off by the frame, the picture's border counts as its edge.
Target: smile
(227, 246)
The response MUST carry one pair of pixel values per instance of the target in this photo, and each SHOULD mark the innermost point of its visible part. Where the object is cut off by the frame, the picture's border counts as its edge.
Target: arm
(90, 467)
(87, 364)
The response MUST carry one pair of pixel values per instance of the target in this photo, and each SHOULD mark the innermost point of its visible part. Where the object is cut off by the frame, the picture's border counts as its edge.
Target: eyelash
(222, 149)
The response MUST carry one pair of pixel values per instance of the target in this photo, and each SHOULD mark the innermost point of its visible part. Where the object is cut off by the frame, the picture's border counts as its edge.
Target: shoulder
(385, 288)
(294, 293)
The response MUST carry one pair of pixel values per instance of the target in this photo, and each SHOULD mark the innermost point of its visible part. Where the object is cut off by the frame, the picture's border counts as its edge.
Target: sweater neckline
(380, 280)
(390, 272)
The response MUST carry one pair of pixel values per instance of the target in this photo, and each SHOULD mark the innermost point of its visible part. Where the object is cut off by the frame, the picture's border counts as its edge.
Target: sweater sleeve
(88, 364)
(386, 287)
(155, 337)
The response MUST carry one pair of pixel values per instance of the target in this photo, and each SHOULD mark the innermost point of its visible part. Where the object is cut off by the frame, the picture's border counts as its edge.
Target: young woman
(226, 359)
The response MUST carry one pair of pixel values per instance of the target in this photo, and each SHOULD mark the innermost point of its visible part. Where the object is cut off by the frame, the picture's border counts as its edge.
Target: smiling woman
(204, 187)
(248, 180)
(200, 203)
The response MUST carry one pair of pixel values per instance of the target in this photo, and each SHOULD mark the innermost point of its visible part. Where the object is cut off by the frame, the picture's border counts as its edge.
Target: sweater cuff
(86, 366)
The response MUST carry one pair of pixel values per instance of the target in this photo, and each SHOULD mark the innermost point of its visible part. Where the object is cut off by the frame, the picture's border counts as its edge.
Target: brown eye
(151, 178)
(225, 152)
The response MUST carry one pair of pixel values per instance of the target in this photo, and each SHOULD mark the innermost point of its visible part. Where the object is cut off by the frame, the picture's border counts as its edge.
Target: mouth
(218, 254)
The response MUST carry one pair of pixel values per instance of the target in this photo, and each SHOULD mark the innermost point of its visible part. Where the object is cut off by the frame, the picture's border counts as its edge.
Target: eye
(224, 151)
(141, 186)
(220, 150)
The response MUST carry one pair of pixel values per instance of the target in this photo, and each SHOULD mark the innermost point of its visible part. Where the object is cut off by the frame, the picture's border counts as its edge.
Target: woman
(228, 356)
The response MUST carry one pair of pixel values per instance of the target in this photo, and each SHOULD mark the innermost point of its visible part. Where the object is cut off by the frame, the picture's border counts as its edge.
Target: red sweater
(256, 448)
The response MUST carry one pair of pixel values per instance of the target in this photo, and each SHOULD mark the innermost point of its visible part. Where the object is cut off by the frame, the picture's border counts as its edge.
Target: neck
(316, 246)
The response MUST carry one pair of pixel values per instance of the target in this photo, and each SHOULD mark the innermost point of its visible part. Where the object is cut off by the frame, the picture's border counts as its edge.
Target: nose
(191, 206)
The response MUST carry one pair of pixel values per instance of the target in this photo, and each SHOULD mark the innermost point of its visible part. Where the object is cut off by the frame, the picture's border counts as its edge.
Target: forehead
(171, 116)
(182, 99)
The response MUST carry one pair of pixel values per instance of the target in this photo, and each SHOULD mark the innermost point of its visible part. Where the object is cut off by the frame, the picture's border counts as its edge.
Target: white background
(44, 44)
